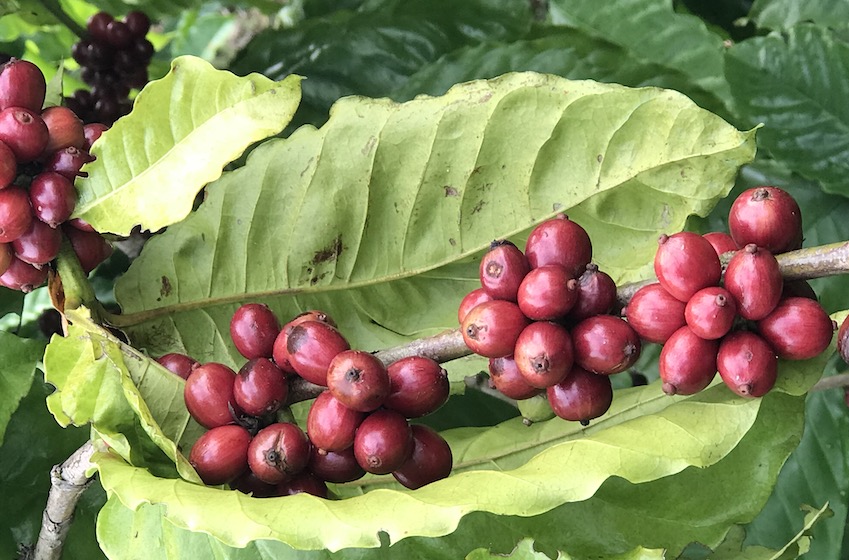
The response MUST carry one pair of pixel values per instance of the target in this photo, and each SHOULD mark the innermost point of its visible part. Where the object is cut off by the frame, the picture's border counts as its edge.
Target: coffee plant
(424, 279)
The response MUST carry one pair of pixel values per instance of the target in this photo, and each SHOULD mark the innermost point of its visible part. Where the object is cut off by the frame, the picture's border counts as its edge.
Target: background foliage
(782, 64)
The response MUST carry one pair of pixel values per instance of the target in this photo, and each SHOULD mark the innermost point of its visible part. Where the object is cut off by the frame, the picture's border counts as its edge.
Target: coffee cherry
(685, 263)
(470, 301)
(504, 375)
(547, 293)
(383, 442)
(335, 466)
(747, 364)
(544, 354)
(6, 256)
(502, 270)
(843, 340)
(22, 276)
(253, 329)
(769, 217)
(279, 351)
(39, 244)
(179, 364)
(581, 396)
(596, 294)
(92, 133)
(97, 25)
(605, 344)
(208, 394)
(15, 213)
(491, 328)
(53, 198)
(138, 23)
(721, 242)
(798, 328)
(331, 425)
(64, 129)
(22, 85)
(358, 380)
(654, 313)
(302, 483)
(8, 165)
(710, 313)
(755, 281)
(311, 346)
(248, 483)
(118, 35)
(91, 248)
(798, 288)
(23, 132)
(260, 387)
(221, 454)
(417, 386)
(278, 452)
(559, 241)
(68, 162)
(430, 460)
(687, 362)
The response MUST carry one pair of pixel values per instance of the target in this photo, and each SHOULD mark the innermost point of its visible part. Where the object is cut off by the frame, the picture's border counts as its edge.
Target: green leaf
(388, 207)
(525, 551)
(183, 129)
(653, 32)
(793, 82)
(775, 14)
(19, 357)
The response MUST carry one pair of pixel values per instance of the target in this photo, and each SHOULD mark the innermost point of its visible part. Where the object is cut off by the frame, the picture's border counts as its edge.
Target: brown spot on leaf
(452, 242)
(329, 253)
(478, 207)
(599, 158)
(165, 289)
(451, 191)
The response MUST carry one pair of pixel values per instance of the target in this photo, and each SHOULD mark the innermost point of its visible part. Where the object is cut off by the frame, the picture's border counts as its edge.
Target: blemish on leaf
(165, 289)
(452, 242)
(329, 253)
(485, 97)
(451, 191)
(476, 170)
(478, 207)
(372, 142)
(556, 206)
(665, 216)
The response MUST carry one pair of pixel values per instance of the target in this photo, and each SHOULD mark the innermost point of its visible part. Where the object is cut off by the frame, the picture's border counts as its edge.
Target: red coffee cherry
(260, 387)
(544, 354)
(311, 346)
(547, 293)
(754, 279)
(358, 380)
(68, 162)
(430, 460)
(278, 452)
(418, 386)
(470, 301)
(253, 329)
(502, 270)
(596, 294)
(221, 454)
(8, 165)
(179, 364)
(15, 213)
(491, 328)
(685, 263)
(335, 466)
(22, 276)
(22, 85)
(39, 244)
(279, 351)
(6, 256)
(747, 364)
(302, 483)
(91, 248)
(53, 198)
(559, 241)
(605, 344)
(581, 396)
(331, 426)
(504, 375)
(798, 328)
(64, 129)
(710, 313)
(24, 132)
(687, 362)
(654, 313)
(209, 395)
(383, 442)
(92, 132)
(769, 217)
(721, 242)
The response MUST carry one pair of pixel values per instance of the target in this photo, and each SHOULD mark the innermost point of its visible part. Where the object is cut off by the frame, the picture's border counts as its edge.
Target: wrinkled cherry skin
(311, 346)
(358, 380)
(24, 132)
(417, 386)
(220, 455)
(581, 396)
(710, 313)
(767, 216)
(504, 375)
(278, 452)
(209, 395)
(253, 329)
(335, 466)
(654, 313)
(492, 328)
(279, 352)
(596, 294)
(747, 364)
(22, 85)
(754, 279)
(605, 344)
(687, 362)
(502, 270)
(798, 328)
(383, 442)
(685, 263)
(22, 276)
(15, 213)
(430, 460)
(331, 425)
(260, 387)
(470, 301)
(544, 354)
(721, 242)
(547, 293)
(179, 364)
(559, 241)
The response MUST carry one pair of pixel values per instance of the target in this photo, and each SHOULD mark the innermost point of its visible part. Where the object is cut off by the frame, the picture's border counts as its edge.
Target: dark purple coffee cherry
(97, 25)
(22, 85)
(687, 362)
(8, 165)
(278, 452)
(654, 313)
(335, 466)
(747, 364)
(22, 276)
(722, 242)
(91, 248)
(248, 483)
(52, 197)
(68, 162)
(547, 293)
(311, 346)
(544, 354)
(581, 396)
(118, 35)
(260, 387)
(221, 454)
(605, 344)
(253, 329)
(358, 380)
(685, 263)
(64, 129)
(24, 132)
(798, 288)
(596, 294)
(417, 386)
(138, 23)
(754, 279)
(798, 328)
(492, 328)
(768, 217)
(331, 426)
(430, 460)
(710, 313)
(39, 244)
(92, 132)
(502, 270)
(208, 394)
(303, 483)
(559, 241)
(470, 301)
(15, 213)
(178, 363)
(504, 375)
(383, 442)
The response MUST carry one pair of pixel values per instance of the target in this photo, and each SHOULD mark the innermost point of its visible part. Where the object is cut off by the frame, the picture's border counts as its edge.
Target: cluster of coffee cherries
(543, 318)
(41, 152)
(113, 58)
(739, 325)
(358, 423)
